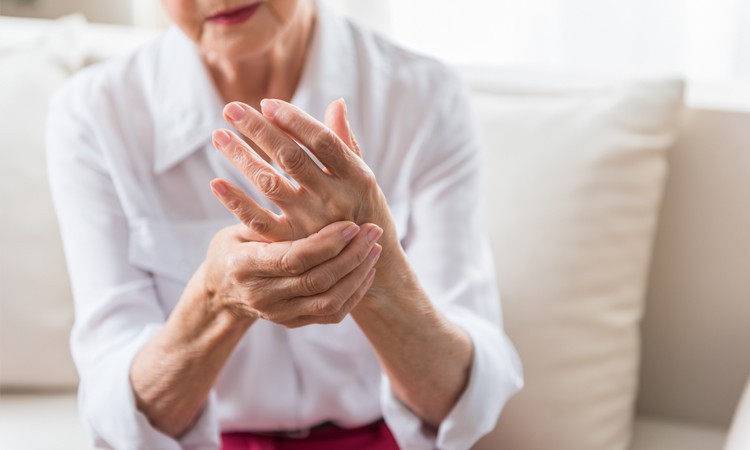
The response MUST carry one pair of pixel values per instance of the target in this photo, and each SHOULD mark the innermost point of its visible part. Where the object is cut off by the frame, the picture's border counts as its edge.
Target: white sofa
(694, 334)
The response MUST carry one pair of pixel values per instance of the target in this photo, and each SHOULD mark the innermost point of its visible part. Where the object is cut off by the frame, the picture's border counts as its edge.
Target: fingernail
(350, 232)
(375, 253)
(219, 188)
(269, 107)
(374, 234)
(235, 111)
(222, 137)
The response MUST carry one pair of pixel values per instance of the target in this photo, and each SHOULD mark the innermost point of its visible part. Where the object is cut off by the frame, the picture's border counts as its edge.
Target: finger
(323, 277)
(267, 180)
(292, 258)
(330, 302)
(352, 302)
(319, 139)
(343, 311)
(259, 220)
(337, 119)
(288, 155)
(355, 146)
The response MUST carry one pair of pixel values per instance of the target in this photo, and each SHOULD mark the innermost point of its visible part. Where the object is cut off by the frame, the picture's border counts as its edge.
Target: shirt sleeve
(448, 248)
(116, 304)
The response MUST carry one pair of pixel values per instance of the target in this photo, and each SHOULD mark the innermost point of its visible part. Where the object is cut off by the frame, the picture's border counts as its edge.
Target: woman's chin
(239, 43)
(236, 48)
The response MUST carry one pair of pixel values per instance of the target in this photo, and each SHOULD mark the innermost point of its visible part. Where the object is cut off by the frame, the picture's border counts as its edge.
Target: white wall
(106, 11)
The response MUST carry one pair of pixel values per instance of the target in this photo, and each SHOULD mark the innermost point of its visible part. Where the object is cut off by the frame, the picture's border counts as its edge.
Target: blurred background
(705, 40)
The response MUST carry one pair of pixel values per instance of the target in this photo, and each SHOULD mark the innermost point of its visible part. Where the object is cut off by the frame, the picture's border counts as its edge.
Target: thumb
(336, 119)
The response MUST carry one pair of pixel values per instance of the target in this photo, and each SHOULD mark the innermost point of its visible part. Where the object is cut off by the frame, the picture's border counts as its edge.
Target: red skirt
(375, 436)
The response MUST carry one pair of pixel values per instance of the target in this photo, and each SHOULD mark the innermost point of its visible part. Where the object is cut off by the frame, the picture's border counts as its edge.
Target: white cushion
(35, 307)
(575, 177)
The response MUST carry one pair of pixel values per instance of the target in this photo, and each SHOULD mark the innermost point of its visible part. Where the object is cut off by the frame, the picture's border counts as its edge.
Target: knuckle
(339, 316)
(328, 309)
(335, 317)
(293, 159)
(333, 306)
(291, 264)
(321, 307)
(233, 204)
(259, 224)
(252, 126)
(323, 141)
(268, 184)
(319, 282)
(243, 158)
(312, 284)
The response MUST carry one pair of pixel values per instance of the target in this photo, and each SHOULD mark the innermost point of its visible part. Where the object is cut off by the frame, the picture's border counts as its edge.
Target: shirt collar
(188, 106)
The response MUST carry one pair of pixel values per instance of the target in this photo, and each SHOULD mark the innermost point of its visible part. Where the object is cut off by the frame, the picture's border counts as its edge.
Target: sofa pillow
(574, 180)
(36, 308)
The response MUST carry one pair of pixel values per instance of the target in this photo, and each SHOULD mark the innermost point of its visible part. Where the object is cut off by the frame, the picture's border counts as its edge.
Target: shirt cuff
(108, 407)
(495, 376)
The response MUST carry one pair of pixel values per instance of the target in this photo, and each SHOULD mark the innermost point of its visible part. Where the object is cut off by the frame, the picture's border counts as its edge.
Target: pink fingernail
(269, 107)
(374, 234)
(219, 188)
(235, 112)
(222, 138)
(350, 232)
(375, 253)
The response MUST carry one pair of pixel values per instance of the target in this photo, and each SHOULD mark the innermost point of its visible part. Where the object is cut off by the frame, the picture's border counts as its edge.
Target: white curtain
(705, 40)
(700, 39)
(149, 14)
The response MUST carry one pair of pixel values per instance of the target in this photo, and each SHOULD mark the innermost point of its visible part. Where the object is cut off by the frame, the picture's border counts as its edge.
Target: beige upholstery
(696, 331)
(653, 433)
(575, 177)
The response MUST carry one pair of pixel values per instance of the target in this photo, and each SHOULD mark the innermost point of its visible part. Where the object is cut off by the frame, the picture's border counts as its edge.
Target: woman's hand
(397, 317)
(345, 189)
(316, 279)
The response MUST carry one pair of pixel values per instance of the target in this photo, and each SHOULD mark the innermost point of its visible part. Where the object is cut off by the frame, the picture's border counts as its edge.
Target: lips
(236, 15)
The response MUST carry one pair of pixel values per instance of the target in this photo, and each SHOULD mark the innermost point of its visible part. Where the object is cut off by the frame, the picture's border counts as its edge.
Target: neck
(274, 73)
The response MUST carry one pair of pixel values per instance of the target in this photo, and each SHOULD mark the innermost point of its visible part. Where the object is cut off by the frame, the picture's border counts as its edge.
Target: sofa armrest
(739, 433)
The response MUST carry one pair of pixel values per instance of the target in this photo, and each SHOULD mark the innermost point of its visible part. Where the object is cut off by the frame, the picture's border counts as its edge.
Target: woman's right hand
(317, 279)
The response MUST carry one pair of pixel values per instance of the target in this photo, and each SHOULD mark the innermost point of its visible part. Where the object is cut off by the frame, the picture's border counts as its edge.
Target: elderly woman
(338, 295)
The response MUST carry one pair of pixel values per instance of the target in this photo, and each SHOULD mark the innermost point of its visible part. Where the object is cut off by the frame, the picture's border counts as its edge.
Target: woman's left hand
(345, 189)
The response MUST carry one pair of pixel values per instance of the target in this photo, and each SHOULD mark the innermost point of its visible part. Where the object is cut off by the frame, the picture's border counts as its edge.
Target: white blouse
(130, 159)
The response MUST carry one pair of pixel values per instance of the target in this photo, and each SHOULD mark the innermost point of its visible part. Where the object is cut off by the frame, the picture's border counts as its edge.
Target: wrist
(201, 315)
(394, 280)
(172, 374)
